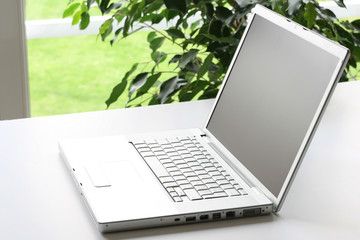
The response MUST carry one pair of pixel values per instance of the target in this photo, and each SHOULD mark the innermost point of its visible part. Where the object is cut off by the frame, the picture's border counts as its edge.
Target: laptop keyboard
(187, 170)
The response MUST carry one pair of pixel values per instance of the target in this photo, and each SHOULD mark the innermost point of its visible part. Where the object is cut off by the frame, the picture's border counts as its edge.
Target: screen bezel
(333, 48)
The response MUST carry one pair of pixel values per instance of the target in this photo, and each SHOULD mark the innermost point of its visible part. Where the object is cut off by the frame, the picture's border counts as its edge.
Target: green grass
(76, 74)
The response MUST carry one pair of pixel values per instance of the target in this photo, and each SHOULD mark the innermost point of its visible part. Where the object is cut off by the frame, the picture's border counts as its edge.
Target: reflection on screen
(269, 100)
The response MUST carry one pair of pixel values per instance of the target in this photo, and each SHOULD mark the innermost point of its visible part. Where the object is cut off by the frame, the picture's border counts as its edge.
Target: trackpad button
(97, 175)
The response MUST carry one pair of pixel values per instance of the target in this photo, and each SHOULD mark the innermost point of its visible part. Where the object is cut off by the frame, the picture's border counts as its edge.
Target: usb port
(204, 217)
(216, 215)
(230, 214)
(190, 219)
(252, 212)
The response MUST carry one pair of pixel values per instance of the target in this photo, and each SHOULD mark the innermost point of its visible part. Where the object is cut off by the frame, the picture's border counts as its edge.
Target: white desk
(38, 199)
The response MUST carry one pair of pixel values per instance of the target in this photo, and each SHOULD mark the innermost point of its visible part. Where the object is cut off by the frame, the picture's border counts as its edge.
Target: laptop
(243, 161)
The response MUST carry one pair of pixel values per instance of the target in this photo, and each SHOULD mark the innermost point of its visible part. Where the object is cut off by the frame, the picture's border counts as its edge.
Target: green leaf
(223, 14)
(138, 82)
(158, 57)
(175, 59)
(356, 24)
(340, 3)
(175, 33)
(276, 4)
(103, 5)
(187, 57)
(119, 89)
(85, 20)
(106, 28)
(310, 14)
(70, 10)
(209, 93)
(220, 39)
(113, 6)
(205, 66)
(149, 83)
(89, 3)
(116, 92)
(356, 52)
(215, 28)
(179, 5)
(76, 18)
(151, 36)
(293, 6)
(169, 88)
(156, 43)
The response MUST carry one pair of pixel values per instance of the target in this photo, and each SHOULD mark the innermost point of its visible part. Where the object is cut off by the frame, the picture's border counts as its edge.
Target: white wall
(14, 91)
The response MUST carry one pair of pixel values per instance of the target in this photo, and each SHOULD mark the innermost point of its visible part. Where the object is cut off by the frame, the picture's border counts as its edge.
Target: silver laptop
(242, 162)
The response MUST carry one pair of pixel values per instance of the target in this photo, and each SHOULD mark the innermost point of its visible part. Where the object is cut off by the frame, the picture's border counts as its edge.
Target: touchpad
(121, 173)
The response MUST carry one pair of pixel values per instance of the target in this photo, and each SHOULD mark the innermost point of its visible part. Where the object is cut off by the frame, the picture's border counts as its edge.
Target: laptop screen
(270, 99)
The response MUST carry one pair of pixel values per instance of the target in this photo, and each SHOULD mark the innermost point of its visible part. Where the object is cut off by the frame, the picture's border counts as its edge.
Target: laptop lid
(272, 98)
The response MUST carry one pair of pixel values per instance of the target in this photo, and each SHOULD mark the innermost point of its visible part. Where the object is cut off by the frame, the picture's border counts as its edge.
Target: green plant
(206, 33)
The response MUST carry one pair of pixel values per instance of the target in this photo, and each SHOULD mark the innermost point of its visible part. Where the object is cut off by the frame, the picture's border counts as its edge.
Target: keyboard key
(204, 176)
(222, 182)
(213, 173)
(166, 146)
(179, 191)
(183, 170)
(177, 199)
(201, 187)
(182, 181)
(177, 145)
(172, 169)
(156, 149)
(189, 174)
(197, 183)
(243, 192)
(192, 164)
(212, 185)
(186, 186)
(192, 194)
(166, 179)
(171, 154)
(196, 168)
(168, 164)
(199, 172)
(181, 150)
(179, 177)
(156, 166)
(162, 141)
(180, 161)
(169, 150)
(173, 194)
(232, 192)
(204, 192)
(176, 174)
(211, 169)
(220, 177)
(176, 157)
(170, 184)
(195, 178)
(220, 194)
(194, 153)
(208, 180)
(150, 141)
(216, 190)
(227, 186)
(147, 154)
(183, 165)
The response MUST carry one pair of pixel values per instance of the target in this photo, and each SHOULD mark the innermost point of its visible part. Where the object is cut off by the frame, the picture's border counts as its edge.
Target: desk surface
(40, 201)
